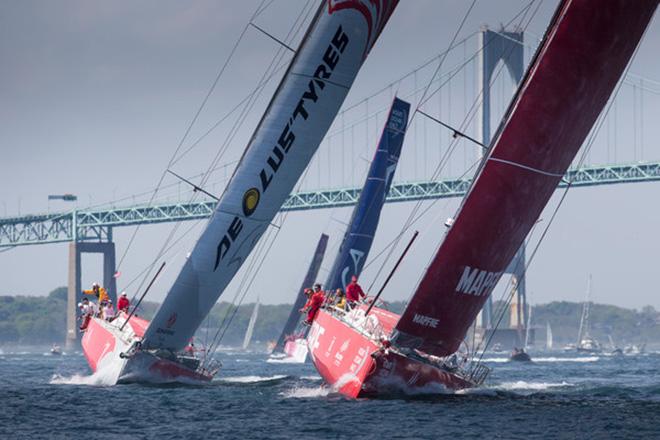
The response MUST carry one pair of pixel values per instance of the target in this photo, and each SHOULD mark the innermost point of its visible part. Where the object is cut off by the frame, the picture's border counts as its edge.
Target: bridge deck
(84, 225)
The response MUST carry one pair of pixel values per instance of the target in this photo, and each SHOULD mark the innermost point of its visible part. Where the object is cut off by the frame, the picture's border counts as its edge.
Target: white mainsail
(548, 336)
(250, 329)
(289, 133)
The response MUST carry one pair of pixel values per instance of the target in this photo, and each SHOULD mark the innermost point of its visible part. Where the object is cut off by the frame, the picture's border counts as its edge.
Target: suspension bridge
(465, 96)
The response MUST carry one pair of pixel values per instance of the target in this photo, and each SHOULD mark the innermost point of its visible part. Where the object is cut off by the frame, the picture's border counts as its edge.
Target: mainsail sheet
(359, 236)
(310, 278)
(290, 131)
(250, 328)
(585, 50)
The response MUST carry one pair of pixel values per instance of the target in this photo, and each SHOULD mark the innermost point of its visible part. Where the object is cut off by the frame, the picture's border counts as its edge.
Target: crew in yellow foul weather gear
(340, 297)
(98, 291)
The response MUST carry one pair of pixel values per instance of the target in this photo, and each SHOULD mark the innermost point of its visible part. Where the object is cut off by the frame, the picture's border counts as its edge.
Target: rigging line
(220, 153)
(419, 103)
(397, 82)
(283, 44)
(454, 143)
(195, 187)
(185, 135)
(457, 133)
(295, 28)
(522, 12)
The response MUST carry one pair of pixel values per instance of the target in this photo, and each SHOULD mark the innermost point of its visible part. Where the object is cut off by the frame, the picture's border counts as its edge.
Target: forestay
(310, 278)
(359, 236)
(290, 131)
(584, 52)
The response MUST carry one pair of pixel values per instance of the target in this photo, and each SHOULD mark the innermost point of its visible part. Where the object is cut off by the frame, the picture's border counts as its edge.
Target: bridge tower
(506, 47)
(77, 247)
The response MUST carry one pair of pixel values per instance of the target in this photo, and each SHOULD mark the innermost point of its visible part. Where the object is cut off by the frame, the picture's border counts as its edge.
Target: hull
(349, 355)
(106, 346)
(296, 350)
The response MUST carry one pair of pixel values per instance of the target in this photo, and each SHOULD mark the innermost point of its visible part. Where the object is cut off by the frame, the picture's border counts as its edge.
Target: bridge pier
(76, 249)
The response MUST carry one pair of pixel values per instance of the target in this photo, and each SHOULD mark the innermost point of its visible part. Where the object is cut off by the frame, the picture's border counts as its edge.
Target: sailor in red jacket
(354, 292)
(123, 303)
(314, 303)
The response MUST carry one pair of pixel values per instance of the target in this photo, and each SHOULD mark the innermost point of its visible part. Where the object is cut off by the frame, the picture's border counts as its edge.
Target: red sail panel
(586, 49)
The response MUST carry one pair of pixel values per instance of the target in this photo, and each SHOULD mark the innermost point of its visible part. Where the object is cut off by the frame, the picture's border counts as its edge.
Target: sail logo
(356, 256)
(425, 321)
(477, 282)
(250, 201)
(317, 83)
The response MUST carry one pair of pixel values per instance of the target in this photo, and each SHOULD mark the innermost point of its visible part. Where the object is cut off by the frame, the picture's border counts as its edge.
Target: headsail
(290, 131)
(310, 277)
(359, 236)
(250, 329)
(585, 50)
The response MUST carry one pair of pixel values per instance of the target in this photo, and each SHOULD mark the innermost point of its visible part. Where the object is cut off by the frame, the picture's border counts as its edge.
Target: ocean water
(557, 396)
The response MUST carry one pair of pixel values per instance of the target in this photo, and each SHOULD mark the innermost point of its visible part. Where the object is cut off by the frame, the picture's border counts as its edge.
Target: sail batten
(581, 58)
(359, 236)
(289, 133)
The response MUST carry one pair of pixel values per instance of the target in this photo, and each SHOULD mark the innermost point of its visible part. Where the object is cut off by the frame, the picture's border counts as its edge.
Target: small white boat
(56, 350)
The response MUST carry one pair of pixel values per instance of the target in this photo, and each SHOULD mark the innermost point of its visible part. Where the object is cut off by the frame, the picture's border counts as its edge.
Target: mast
(250, 329)
(289, 133)
(579, 62)
(359, 236)
(310, 277)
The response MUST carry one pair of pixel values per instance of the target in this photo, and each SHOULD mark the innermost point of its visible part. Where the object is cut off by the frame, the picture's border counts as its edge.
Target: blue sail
(360, 234)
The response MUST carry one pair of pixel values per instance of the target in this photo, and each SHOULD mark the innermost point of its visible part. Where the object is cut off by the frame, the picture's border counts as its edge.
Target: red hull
(104, 344)
(357, 365)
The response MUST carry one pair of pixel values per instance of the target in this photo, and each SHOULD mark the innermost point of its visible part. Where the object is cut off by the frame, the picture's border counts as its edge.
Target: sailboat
(359, 236)
(306, 101)
(585, 343)
(579, 62)
(250, 329)
(548, 337)
(521, 354)
(289, 342)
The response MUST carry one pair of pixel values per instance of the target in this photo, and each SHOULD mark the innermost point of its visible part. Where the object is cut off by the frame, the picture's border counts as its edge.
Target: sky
(96, 96)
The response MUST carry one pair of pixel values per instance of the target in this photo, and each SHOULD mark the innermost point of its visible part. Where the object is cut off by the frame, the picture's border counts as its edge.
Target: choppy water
(558, 396)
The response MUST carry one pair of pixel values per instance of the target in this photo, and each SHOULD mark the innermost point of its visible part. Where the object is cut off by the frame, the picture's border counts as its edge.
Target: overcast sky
(95, 96)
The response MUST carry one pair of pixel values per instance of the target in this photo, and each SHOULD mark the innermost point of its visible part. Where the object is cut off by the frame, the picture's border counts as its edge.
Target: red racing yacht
(585, 51)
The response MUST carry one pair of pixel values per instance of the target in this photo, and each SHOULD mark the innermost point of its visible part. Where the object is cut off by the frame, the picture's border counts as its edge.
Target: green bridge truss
(96, 225)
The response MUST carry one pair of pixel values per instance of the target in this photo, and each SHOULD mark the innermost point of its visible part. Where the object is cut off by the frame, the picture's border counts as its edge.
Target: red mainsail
(584, 53)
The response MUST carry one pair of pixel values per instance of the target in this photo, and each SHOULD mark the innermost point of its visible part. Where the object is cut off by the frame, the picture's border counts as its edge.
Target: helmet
(123, 293)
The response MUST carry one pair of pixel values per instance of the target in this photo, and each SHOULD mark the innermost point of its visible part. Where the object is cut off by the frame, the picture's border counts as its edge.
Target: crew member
(123, 304)
(354, 292)
(98, 291)
(109, 311)
(87, 310)
(341, 299)
(314, 303)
